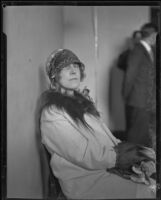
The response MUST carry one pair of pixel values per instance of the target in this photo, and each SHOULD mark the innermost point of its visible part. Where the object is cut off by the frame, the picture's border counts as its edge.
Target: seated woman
(85, 156)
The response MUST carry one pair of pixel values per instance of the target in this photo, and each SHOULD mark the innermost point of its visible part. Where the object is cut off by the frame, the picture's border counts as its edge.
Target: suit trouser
(141, 126)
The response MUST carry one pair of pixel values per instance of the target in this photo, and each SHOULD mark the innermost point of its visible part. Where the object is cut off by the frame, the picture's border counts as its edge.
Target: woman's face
(69, 77)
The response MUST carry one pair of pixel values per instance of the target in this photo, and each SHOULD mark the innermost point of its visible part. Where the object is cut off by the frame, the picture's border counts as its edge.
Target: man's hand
(129, 154)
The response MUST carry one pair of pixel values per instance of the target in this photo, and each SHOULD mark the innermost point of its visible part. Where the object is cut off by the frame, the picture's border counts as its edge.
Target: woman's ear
(83, 76)
(53, 83)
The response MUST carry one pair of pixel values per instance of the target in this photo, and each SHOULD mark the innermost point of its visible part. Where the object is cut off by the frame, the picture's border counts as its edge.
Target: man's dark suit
(140, 94)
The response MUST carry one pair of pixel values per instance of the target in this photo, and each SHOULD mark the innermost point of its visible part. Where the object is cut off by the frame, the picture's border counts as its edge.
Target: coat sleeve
(59, 136)
(133, 63)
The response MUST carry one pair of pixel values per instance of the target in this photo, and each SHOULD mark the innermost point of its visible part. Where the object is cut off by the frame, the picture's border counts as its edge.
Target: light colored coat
(80, 157)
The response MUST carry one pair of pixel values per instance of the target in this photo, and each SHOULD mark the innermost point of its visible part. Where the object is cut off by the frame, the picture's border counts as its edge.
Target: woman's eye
(67, 67)
(76, 66)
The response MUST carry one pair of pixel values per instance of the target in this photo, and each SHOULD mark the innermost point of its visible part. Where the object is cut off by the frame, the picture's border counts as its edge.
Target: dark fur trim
(76, 106)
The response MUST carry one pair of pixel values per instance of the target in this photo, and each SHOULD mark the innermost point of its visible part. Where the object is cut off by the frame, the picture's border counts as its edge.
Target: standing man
(123, 57)
(140, 89)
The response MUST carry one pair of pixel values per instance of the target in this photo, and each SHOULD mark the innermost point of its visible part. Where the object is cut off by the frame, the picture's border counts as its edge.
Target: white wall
(115, 24)
(32, 33)
(79, 37)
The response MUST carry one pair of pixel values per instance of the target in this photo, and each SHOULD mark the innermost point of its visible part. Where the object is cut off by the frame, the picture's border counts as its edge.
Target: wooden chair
(51, 186)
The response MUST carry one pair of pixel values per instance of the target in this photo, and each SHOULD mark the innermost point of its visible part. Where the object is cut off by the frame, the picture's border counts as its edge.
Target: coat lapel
(147, 54)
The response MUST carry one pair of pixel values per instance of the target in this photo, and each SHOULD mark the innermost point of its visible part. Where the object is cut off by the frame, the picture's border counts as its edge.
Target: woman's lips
(73, 79)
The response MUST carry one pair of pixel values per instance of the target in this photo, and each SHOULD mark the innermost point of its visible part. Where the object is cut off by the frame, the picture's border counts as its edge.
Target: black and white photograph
(80, 92)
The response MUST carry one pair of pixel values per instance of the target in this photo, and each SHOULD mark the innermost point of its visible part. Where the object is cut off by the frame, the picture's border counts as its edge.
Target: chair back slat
(51, 186)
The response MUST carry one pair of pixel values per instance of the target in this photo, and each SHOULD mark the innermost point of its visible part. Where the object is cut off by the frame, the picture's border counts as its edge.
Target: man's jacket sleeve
(133, 64)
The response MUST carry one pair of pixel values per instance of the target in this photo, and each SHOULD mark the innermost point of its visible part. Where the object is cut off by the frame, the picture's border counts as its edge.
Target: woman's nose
(72, 69)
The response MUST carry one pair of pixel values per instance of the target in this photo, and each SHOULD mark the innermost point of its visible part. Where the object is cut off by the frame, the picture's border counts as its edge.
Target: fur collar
(76, 106)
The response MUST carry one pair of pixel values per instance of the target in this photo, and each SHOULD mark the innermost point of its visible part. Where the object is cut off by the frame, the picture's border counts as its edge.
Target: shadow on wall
(115, 98)
(43, 82)
(116, 103)
(44, 165)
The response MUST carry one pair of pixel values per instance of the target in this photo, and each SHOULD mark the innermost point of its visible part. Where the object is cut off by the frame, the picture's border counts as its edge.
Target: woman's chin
(74, 87)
